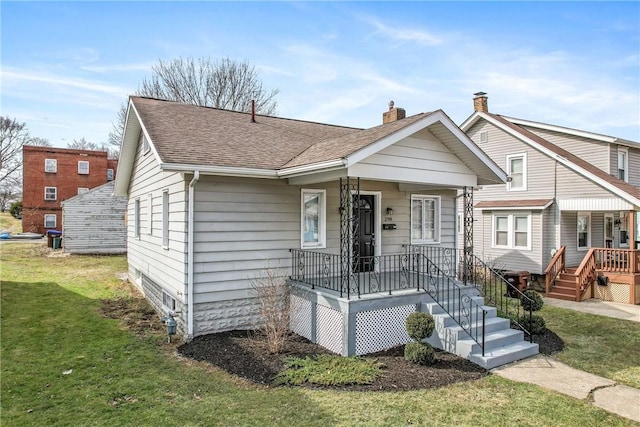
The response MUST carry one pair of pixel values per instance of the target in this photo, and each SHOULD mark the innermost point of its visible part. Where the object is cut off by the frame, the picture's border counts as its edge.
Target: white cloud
(117, 67)
(16, 77)
(404, 35)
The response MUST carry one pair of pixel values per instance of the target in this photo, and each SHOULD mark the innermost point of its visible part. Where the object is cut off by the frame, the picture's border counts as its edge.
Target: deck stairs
(565, 286)
(502, 344)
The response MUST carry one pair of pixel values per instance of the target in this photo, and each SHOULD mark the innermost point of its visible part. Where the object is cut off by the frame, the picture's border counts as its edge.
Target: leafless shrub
(272, 293)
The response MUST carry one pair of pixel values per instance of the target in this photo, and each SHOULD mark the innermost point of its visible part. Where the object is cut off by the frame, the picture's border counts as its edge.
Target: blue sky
(67, 66)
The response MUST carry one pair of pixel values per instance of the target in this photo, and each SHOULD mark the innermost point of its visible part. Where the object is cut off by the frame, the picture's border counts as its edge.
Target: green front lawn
(63, 363)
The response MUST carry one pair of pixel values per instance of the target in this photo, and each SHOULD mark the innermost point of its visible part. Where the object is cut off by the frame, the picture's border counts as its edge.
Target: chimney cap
(479, 94)
(391, 104)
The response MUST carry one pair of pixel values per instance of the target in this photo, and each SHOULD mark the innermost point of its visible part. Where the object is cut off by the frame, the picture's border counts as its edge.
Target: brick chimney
(480, 102)
(393, 114)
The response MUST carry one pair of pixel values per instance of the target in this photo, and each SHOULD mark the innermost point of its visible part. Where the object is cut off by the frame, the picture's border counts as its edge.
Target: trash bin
(57, 242)
(519, 280)
(50, 235)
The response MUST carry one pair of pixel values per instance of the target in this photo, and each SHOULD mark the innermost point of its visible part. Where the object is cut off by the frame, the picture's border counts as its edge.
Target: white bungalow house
(570, 211)
(216, 196)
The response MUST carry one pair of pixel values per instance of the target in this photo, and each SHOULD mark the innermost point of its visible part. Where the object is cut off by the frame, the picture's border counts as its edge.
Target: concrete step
(446, 320)
(492, 341)
(450, 305)
(503, 355)
(491, 324)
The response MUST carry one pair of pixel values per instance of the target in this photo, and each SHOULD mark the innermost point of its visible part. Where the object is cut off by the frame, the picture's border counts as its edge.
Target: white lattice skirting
(353, 327)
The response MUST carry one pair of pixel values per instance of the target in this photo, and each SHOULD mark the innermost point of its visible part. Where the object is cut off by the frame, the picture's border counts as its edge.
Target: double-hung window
(136, 217)
(517, 172)
(425, 219)
(83, 167)
(512, 231)
(623, 164)
(50, 193)
(50, 221)
(583, 231)
(50, 165)
(109, 174)
(313, 218)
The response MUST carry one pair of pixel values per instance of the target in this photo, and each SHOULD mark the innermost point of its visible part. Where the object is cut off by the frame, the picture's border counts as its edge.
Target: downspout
(190, 257)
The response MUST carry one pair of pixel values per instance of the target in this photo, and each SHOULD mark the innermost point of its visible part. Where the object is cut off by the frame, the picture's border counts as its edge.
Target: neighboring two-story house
(51, 175)
(569, 194)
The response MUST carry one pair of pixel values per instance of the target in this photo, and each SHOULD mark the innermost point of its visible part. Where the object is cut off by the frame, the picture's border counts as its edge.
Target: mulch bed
(244, 354)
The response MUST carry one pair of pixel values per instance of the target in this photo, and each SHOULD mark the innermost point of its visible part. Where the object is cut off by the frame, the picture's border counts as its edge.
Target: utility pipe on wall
(190, 257)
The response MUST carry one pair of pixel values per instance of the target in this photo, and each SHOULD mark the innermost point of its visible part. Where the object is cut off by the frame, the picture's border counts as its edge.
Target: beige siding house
(215, 197)
(568, 191)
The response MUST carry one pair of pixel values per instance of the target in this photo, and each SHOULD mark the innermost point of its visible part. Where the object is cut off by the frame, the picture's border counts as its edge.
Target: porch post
(467, 235)
(349, 232)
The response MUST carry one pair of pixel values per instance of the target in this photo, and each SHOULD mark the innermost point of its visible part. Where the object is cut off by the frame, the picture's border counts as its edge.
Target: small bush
(16, 209)
(535, 325)
(420, 353)
(535, 302)
(420, 325)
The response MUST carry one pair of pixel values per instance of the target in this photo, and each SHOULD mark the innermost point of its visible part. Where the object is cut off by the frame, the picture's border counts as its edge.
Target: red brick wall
(67, 180)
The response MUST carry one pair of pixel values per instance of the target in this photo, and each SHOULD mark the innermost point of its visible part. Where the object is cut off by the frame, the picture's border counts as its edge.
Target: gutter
(190, 255)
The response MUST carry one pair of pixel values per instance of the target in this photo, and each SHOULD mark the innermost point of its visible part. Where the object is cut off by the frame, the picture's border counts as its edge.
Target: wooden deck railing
(618, 260)
(586, 273)
(556, 266)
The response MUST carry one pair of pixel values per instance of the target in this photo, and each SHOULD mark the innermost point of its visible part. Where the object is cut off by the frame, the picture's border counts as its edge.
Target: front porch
(604, 273)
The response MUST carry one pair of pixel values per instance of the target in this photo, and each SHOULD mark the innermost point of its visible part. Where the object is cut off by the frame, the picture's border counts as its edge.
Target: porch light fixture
(617, 222)
(389, 211)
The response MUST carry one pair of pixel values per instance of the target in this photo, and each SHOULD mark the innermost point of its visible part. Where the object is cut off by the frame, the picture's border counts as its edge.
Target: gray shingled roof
(193, 135)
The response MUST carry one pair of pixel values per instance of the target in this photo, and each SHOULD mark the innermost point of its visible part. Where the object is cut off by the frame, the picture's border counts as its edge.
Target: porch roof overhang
(504, 205)
(596, 204)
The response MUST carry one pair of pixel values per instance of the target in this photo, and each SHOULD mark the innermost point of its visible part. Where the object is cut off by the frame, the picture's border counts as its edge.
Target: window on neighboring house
(623, 164)
(512, 231)
(82, 190)
(136, 214)
(517, 171)
(50, 165)
(109, 174)
(168, 301)
(50, 193)
(83, 167)
(313, 218)
(484, 137)
(624, 229)
(150, 205)
(425, 219)
(50, 221)
(165, 219)
(584, 231)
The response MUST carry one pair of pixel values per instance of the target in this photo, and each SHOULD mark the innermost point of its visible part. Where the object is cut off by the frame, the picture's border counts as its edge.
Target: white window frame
(624, 153)
(55, 220)
(322, 218)
(82, 190)
(136, 218)
(81, 163)
(484, 137)
(168, 301)
(150, 209)
(109, 174)
(436, 221)
(511, 230)
(165, 219)
(51, 165)
(55, 193)
(609, 222)
(511, 157)
(588, 216)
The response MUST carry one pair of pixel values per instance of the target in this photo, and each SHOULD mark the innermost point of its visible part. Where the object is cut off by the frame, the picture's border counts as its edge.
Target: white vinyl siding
(83, 167)
(583, 229)
(50, 221)
(314, 218)
(50, 193)
(50, 165)
(512, 231)
(517, 171)
(165, 219)
(425, 219)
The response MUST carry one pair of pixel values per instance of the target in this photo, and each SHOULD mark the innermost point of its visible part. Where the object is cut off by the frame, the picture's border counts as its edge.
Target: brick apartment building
(51, 175)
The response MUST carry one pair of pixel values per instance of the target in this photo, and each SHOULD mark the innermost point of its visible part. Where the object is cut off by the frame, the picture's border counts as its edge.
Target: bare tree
(225, 84)
(39, 142)
(13, 135)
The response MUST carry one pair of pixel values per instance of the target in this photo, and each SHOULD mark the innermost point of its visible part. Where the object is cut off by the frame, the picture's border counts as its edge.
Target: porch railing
(555, 267)
(493, 286)
(617, 260)
(385, 273)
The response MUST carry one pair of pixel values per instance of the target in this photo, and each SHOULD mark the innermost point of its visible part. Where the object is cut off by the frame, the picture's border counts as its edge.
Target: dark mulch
(244, 354)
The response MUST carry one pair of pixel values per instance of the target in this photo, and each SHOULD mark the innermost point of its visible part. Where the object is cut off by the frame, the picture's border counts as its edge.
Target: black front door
(365, 238)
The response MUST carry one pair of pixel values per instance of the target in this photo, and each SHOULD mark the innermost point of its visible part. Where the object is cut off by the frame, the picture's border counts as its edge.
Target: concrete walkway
(602, 308)
(551, 374)
(548, 373)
